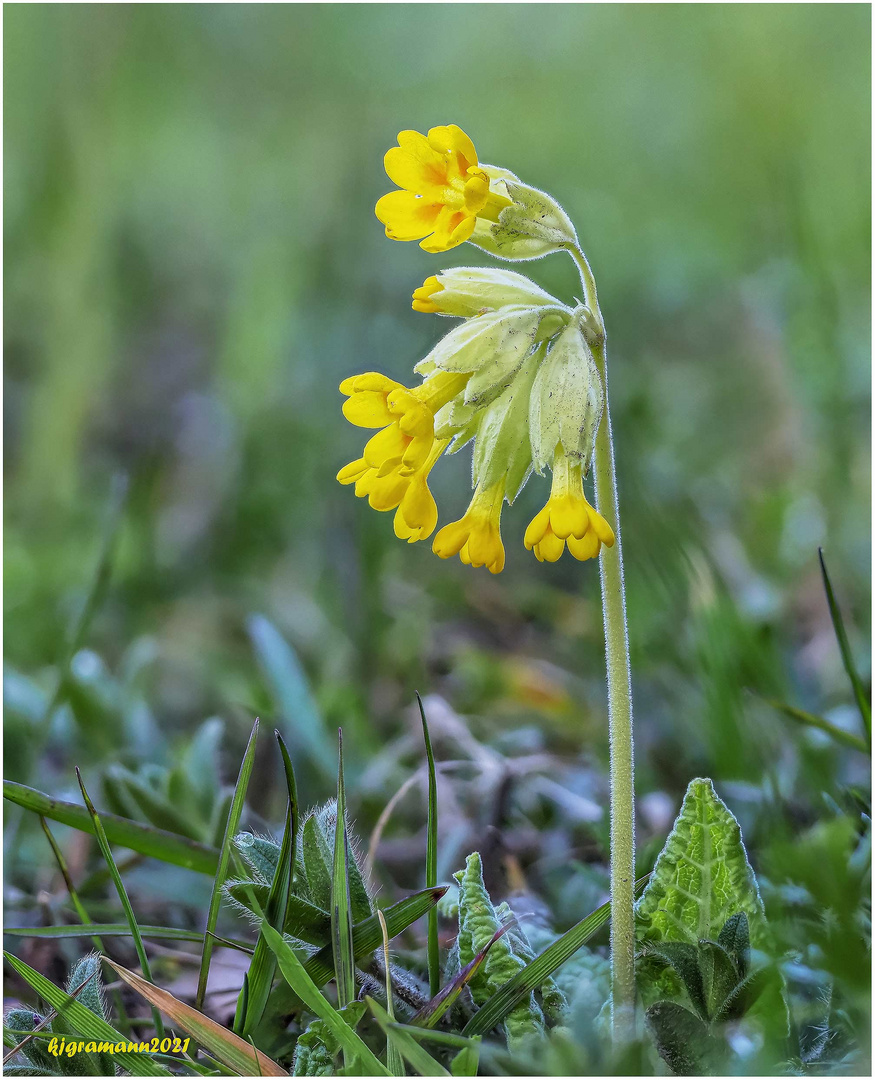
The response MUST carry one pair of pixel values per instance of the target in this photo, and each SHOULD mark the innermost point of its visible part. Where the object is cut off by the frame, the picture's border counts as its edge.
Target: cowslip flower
(443, 189)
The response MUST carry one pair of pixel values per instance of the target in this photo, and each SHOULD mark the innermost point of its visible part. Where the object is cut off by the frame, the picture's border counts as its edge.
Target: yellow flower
(567, 518)
(443, 189)
(417, 514)
(422, 297)
(405, 416)
(476, 538)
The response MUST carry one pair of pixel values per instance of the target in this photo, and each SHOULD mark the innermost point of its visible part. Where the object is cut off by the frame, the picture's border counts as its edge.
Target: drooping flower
(443, 189)
(567, 518)
(476, 537)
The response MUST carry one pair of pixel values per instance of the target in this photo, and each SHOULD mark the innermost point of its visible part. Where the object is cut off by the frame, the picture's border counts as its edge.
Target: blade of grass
(465, 1062)
(261, 971)
(106, 851)
(85, 918)
(434, 959)
(341, 917)
(848, 738)
(224, 858)
(393, 1057)
(414, 1054)
(122, 831)
(96, 592)
(88, 1024)
(68, 881)
(225, 1045)
(430, 1014)
(845, 649)
(536, 971)
(366, 935)
(169, 933)
(295, 974)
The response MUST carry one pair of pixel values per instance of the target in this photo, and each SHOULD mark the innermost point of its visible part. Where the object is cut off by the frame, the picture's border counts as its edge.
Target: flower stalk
(619, 681)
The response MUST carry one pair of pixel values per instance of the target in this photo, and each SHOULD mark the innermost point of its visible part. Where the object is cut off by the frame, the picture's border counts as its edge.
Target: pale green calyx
(566, 401)
(533, 226)
(492, 348)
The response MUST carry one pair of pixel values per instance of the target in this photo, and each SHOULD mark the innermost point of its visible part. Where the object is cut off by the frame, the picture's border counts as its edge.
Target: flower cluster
(516, 376)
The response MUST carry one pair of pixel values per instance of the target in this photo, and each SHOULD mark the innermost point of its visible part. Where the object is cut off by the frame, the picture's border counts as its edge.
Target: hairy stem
(619, 698)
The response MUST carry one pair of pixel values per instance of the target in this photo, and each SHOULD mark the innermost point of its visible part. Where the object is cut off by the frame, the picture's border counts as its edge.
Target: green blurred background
(193, 264)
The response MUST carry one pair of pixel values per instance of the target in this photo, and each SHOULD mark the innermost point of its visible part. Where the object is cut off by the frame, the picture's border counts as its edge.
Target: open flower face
(443, 189)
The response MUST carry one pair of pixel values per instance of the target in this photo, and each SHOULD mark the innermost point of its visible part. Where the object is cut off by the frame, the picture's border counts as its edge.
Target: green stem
(619, 697)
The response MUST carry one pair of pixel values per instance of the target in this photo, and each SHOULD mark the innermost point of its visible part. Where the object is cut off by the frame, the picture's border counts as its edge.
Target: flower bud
(466, 291)
(534, 225)
(566, 402)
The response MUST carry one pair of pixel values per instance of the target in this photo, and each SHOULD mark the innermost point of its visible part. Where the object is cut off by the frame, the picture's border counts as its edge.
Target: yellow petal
(584, 549)
(451, 538)
(407, 216)
(390, 443)
(367, 409)
(451, 139)
(537, 527)
(476, 193)
(388, 491)
(416, 166)
(551, 547)
(568, 516)
(419, 509)
(603, 530)
(349, 474)
(452, 227)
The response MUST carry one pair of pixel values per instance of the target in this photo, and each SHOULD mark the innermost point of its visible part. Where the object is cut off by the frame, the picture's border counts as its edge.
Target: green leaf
(304, 921)
(295, 974)
(169, 933)
(152, 804)
(263, 966)
(341, 915)
(681, 1039)
(393, 1055)
(84, 1021)
(701, 877)
(429, 1015)
(261, 853)
(145, 839)
(316, 1048)
(683, 958)
(434, 959)
(366, 935)
(288, 684)
(224, 859)
(735, 938)
(845, 649)
(415, 1055)
(478, 923)
(719, 974)
(224, 1044)
(536, 972)
(848, 738)
(106, 852)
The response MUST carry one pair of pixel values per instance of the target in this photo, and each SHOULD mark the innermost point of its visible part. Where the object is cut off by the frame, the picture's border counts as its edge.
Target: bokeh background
(193, 265)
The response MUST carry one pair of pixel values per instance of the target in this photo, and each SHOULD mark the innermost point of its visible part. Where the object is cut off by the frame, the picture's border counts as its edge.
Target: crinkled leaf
(701, 877)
